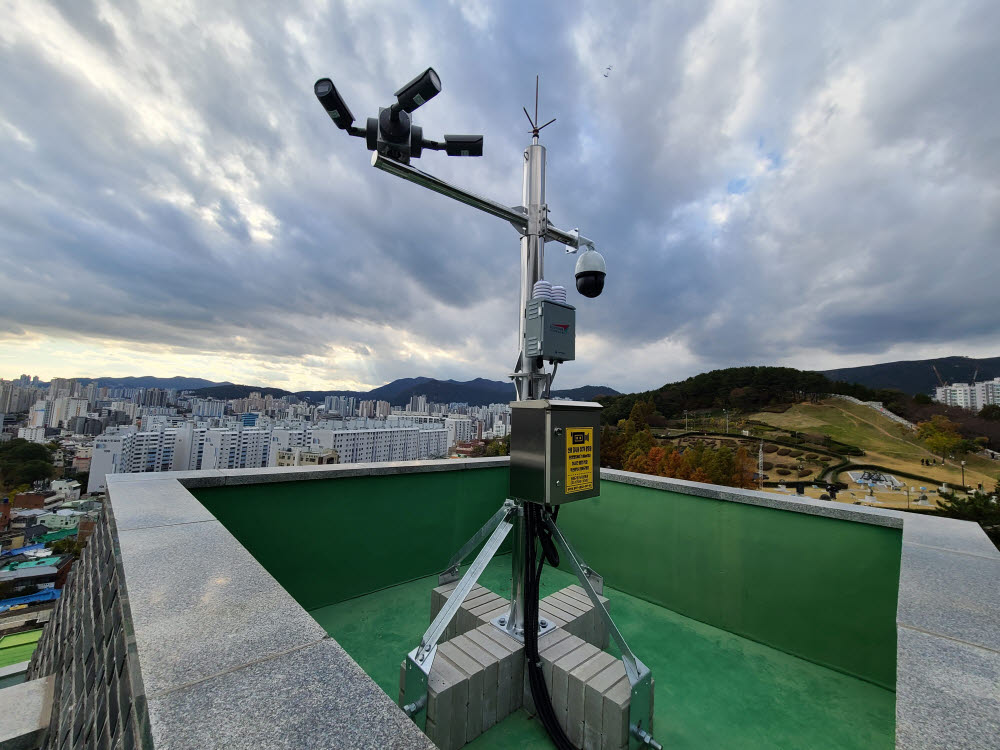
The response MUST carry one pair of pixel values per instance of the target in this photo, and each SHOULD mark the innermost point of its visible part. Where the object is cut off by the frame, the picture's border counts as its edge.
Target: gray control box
(550, 330)
(555, 451)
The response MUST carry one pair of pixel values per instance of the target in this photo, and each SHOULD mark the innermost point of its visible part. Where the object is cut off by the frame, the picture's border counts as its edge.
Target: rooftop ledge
(223, 655)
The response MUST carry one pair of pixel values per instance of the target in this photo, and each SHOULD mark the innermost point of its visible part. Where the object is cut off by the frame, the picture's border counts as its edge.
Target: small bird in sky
(607, 71)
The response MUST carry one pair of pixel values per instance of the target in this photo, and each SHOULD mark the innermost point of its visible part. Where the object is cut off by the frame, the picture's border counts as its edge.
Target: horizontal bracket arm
(516, 215)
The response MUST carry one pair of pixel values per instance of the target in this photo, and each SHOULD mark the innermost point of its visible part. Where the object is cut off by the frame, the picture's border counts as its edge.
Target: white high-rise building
(236, 448)
(62, 387)
(40, 413)
(33, 434)
(65, 408)
(6, 395)
(193, 447)
(459, 430)
(973, 396)
(207, 407)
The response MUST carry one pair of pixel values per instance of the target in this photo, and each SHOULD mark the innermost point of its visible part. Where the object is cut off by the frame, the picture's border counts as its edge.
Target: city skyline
(176, 202)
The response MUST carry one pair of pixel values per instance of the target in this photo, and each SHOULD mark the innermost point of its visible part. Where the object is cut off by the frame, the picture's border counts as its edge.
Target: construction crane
(940, 379)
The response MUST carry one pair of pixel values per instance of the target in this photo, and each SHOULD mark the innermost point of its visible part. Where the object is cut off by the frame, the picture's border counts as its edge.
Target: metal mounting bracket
(595, 578)
(544, 626)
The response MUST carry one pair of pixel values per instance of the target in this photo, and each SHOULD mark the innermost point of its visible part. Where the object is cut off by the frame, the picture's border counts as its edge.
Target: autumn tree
(940, 435)
(743, 470)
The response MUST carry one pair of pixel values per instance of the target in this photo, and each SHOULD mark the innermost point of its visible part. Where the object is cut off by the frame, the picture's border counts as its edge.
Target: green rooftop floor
(18, 647)
(713, 689)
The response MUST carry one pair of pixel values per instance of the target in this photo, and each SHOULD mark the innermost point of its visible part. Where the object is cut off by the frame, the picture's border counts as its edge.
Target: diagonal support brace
(639, 677)
(419, 660)
(450, 573)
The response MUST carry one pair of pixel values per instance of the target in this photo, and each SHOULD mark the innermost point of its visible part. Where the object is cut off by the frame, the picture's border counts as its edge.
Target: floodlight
(463, 145)
(424, 87)
(332, 102)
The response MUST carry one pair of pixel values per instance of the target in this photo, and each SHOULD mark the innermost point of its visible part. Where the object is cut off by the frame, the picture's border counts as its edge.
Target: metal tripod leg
(639, 677)
(419, 660)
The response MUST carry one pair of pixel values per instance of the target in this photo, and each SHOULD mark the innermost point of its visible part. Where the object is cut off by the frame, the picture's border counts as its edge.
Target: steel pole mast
(530, 379)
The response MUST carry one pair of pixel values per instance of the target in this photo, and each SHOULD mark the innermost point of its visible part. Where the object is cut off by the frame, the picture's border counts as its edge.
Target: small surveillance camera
(332, 102)
(590, 273)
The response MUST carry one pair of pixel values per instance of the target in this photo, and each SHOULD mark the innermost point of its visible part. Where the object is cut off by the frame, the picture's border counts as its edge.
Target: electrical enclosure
(555, 451)
(550, 330)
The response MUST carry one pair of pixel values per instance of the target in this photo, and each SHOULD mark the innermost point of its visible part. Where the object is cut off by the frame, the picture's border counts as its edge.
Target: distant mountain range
(476, 392)
(917, 376)
(911, 376)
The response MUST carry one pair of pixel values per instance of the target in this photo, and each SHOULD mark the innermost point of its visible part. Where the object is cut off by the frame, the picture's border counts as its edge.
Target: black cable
(536, 678)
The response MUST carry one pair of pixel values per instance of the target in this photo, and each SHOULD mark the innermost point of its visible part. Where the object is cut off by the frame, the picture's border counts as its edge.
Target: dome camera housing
(590, 273)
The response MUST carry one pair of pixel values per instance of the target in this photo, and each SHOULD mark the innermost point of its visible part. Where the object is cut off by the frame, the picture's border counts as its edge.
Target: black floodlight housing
(463, 145)
(421, 89)
(393, 133)
(334, 105)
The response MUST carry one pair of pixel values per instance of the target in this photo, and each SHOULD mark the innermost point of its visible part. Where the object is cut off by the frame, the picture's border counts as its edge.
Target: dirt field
(857, 495)
(885, 442)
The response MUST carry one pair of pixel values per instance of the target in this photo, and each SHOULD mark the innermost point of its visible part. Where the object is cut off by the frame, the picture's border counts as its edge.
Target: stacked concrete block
(488, 664)
(478, 677)
(510, 666)
(551, 647)
(576, 688)
(466, 719)
(447, 704)
(590, 694)
(479, 607)
(470, 686)
(561, 682)
(569, 609)
(581, 618)
(606, 703)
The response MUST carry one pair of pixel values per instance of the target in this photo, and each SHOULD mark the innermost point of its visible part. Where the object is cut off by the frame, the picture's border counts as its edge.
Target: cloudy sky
(802, 183)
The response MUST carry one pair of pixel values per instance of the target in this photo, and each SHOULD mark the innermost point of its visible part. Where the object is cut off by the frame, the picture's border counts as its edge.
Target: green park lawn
(885, 442)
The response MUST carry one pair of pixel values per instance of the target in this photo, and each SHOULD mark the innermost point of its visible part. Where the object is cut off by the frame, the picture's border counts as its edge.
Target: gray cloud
(766, 179)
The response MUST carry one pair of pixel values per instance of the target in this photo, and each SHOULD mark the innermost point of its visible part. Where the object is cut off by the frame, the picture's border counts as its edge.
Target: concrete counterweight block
(478, 677)
(569, 609)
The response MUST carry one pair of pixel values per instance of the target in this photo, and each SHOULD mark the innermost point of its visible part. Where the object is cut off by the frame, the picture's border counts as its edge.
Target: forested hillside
(747, 388)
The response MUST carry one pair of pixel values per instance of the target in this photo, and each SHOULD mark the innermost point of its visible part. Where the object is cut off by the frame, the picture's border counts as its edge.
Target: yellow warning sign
(579, 459)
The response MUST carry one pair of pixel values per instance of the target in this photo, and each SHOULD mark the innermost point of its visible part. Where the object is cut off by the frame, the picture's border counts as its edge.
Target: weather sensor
(555, 445)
